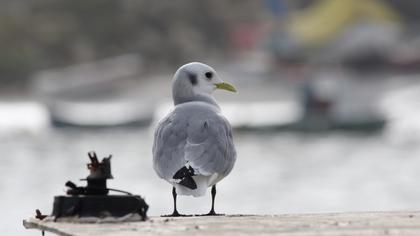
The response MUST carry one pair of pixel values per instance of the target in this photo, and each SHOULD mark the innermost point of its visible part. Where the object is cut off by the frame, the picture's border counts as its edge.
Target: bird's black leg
(175, 213)
(213, 196)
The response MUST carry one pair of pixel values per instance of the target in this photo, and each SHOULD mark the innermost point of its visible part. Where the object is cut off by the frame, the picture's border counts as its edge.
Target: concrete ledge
(363, 223)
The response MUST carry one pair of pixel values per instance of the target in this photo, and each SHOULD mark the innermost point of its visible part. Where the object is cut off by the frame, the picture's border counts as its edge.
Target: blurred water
(275, 173)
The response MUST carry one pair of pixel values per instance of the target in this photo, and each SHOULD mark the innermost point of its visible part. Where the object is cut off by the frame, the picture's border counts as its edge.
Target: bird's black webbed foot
(211, 213)
(176, 214)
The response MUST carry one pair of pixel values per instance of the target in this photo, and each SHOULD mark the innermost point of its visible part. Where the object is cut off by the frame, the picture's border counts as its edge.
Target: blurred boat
(101, 93)
(324, 104)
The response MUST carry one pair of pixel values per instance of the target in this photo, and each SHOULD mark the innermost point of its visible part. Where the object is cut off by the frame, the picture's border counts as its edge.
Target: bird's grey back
(195, 132)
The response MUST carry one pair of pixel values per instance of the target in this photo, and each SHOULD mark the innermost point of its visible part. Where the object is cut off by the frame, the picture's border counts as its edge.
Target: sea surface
(275, 173)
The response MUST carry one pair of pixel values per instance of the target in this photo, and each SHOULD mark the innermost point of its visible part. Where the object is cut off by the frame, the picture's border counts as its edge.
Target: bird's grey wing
(209, 147)
(168, 146)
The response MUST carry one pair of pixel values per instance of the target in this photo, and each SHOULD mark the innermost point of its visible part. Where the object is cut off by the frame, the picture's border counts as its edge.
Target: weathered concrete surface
(368, 223)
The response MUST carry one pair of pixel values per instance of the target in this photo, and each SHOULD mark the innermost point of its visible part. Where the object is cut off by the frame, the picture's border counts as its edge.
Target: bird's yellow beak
(226, 86)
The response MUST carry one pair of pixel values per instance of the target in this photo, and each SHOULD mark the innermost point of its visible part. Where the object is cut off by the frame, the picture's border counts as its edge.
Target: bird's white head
(196, 81)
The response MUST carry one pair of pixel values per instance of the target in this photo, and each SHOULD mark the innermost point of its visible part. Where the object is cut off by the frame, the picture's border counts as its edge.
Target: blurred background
(326, 119)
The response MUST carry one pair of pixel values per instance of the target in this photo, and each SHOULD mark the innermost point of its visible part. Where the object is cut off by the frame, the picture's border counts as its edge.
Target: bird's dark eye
(209, 75)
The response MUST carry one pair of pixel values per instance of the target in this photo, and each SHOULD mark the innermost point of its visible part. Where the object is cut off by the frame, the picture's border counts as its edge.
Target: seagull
(193, 145)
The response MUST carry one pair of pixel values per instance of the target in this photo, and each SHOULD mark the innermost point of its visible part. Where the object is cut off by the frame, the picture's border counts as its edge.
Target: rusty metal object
(93, 200)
